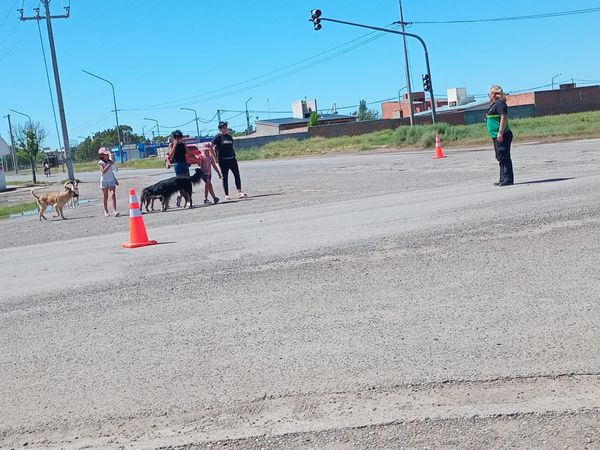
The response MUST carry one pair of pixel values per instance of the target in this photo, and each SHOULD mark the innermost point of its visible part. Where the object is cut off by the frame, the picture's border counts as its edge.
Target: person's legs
(236, 174)
(105, 200)
(181, 170)
(508, 167)
(225, 173)
(502, 150)
(113, 192)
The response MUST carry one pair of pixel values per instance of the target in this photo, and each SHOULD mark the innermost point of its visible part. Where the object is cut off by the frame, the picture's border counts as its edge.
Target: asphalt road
(352, 301)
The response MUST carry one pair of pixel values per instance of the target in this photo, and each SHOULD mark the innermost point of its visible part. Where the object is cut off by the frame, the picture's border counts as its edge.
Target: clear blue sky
(208, 55)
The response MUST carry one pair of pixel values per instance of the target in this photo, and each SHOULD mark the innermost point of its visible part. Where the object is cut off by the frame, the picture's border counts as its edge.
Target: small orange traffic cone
(439, 151)
(137, 230)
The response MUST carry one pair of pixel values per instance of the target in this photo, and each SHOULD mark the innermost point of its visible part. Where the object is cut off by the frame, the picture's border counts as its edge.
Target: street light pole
(157, 127)
(196, 116)
(23, 114)
(399, 101)
(12, 141)
(408, 86)
(316, 16)
(116, 115)
(247, 118)
(557, 75)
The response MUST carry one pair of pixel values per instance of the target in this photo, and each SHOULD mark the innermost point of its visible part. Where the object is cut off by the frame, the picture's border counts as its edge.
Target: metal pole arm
(402, 33)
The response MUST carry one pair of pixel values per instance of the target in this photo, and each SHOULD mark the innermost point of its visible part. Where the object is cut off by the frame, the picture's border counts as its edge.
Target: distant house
(287, 125)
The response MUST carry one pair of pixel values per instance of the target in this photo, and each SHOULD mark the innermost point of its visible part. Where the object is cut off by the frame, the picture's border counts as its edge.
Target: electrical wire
(10, 11)
(49, 85)
(510, 18)
(202, 97)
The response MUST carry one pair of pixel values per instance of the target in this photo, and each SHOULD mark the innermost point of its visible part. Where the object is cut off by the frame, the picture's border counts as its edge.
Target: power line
(202, 97)
(511, 18)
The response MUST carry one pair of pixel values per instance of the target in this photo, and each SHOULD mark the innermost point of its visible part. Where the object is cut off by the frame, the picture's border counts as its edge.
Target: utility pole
(59, 97)
(408, 87)
(219, 115)
(247, 118)
(12, 141)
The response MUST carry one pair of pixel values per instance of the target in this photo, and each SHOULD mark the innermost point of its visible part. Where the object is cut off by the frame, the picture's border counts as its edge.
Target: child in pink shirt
(207, 163)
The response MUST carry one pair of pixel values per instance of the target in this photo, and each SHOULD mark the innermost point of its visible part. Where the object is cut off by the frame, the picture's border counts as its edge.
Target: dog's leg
(42, 211)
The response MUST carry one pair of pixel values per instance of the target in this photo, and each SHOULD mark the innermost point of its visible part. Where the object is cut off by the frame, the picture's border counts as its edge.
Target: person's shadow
(547, 180)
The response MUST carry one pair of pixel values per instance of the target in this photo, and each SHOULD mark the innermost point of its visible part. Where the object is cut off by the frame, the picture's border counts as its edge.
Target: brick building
(397, 110)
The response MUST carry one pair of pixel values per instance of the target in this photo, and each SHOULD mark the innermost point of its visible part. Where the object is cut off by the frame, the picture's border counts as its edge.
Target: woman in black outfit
(499, 131)
(223, 142)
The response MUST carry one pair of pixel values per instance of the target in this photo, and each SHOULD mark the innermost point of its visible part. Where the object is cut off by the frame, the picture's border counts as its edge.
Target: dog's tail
(197, 177)
(32, 193)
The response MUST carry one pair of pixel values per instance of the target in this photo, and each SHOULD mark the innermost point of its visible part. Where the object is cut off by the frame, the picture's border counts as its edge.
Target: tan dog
(56, 199)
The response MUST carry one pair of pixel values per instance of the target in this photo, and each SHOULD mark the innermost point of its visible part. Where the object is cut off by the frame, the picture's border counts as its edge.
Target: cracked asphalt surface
(371, 300)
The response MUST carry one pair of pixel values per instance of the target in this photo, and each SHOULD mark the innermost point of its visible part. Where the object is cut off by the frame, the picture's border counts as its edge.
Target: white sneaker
(242, 195)
(227, 197)
(116, 214)
(106, 214)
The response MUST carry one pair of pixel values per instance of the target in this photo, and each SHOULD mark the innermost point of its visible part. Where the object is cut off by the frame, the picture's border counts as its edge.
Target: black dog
(163, 190)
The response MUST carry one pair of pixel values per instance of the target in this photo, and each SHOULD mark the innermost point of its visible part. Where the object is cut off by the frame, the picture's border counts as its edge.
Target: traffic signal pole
(316, 20)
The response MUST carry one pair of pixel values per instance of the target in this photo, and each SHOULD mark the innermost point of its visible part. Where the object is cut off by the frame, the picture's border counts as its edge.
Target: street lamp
(23, 114)
(12, 141)
(196, 116)
(247, 118)
(400, 101)
(316, 19)
(144, 132)
(157, 127)
(557, 75)
(116, 115)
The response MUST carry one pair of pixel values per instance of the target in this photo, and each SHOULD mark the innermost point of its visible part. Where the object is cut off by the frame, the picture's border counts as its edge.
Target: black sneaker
(178, 201)
(215, 200)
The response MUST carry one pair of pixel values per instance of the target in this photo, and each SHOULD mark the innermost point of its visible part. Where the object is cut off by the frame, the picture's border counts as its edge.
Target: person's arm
(500, 136)
(503, 111)
(214, 164)
(171, 151)
(105, 165)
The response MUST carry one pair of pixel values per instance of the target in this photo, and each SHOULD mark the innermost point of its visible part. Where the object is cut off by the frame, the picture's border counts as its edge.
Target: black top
(224, 145)
(179, 155)
(498, 108)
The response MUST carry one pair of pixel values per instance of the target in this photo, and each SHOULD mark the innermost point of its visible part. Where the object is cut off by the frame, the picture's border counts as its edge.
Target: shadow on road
(548, 180)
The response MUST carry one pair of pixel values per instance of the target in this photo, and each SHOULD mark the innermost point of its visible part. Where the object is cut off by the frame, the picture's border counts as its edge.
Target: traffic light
(314, 17)
(426, 83)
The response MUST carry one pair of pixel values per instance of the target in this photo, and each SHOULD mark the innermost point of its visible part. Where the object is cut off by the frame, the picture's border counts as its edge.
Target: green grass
(7, 211)
(547, 128)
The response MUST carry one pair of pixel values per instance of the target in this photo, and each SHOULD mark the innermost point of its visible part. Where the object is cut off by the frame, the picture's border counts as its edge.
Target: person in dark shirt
(223, 143)
(499, 131)
(177, 155)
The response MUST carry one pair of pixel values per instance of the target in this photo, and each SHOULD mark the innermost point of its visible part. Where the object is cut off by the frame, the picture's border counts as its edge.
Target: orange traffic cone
(137, 230)
(439, 151)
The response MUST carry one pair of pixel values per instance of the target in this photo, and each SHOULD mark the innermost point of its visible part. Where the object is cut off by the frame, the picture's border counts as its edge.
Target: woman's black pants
(503, 157)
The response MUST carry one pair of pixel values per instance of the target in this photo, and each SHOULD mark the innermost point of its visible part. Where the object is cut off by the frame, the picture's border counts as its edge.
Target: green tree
(88, 149)
(365, 113)
(313, 119)
(29, 144)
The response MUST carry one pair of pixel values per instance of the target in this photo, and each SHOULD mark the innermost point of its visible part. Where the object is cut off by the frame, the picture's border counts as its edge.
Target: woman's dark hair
(177, 134)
